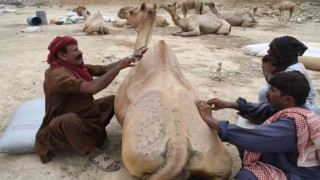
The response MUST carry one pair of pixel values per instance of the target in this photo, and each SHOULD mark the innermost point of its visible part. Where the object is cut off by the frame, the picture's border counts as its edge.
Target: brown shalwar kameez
(73, 120)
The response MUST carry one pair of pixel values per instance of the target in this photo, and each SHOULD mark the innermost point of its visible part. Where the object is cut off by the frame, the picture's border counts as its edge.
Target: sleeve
(258, 111)
(96, 70)
(60, 80)
(279, 136)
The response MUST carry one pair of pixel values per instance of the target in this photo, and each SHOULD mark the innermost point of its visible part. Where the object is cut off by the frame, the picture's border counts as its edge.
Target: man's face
(275, 98)
(73, 55)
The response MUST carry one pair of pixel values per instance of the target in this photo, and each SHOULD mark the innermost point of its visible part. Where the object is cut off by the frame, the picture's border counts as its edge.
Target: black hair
(292, 83)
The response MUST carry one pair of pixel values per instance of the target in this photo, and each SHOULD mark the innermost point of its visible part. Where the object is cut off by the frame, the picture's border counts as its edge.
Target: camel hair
(163, 135)
(246, 19)
(282, 7)
(160, 20)
(187, 5)
(94, 23)
(196, 24)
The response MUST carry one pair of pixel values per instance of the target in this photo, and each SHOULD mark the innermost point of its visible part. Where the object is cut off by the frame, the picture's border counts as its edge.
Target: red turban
(78, 70)
(57, 44)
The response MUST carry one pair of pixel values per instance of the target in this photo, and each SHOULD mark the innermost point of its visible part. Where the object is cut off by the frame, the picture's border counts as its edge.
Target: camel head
(270, 5)
(212, 7)
(209, 4)
(140, 14)
(81, 11)
(143, 18)
(170, 7)
(124, 10)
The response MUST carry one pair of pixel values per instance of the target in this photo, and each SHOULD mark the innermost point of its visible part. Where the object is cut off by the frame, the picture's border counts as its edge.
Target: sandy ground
(23, 61)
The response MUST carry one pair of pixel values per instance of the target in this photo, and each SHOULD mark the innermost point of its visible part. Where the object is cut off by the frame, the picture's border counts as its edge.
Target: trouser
(69, 131)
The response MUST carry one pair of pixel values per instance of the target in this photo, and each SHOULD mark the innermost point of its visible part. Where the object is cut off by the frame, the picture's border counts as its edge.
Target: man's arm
(206, 114)
(98, 84)
(220, 104)
(112, 70)
(279, 136)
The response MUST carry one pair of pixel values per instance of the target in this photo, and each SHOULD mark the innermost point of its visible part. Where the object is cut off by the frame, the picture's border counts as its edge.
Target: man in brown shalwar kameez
(73, 118)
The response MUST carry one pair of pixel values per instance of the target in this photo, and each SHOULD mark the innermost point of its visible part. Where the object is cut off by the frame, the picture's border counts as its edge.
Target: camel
(94, 23)
(186, 5)
(163, 134)
(160, 20)
(245, 19)
(196, 24)
(282, 7)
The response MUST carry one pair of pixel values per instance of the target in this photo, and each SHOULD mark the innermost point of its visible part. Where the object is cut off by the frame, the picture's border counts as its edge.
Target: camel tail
(176, 159)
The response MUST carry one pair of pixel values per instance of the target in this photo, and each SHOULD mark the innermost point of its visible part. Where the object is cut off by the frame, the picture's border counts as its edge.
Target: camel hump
(164, 53)
(160, 56)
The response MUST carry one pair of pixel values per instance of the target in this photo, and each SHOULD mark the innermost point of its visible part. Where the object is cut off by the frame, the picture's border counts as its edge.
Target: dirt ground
(23, 62)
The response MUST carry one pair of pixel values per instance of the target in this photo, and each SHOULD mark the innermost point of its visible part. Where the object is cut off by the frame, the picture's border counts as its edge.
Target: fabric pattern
(308, 144)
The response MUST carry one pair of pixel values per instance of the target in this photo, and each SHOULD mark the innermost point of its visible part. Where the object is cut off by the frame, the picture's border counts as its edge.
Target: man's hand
(218, 104)
(206, 114)
(138, 54)
(204, 109)
(268, 70)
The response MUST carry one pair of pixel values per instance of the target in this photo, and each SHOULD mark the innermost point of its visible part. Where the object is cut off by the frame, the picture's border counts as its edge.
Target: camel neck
(145, 31)
(214, 11)
(175, 18)
(85, 14)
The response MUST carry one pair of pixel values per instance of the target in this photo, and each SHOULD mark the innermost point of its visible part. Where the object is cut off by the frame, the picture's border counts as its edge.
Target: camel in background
(160, 20)
(246, 19)
(94, 23)
(187, 5)
(197, 24)
(282, 7)
(163, 134)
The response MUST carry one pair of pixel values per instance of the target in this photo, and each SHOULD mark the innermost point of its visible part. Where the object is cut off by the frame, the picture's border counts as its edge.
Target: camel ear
(154, 6)
(174, 3)
(143, 6)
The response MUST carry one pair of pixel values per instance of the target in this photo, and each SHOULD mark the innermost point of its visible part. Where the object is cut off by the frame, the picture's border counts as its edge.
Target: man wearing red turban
(73, 118)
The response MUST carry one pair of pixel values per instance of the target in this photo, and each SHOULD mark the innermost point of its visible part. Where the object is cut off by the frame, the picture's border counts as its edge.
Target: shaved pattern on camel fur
(246, 19)
(122, 14)
(163, 135)
(94, 23)
(196, 25)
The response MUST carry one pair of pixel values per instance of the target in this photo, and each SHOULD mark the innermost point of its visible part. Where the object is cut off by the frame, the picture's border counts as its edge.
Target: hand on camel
(137, 55)
(204, 110)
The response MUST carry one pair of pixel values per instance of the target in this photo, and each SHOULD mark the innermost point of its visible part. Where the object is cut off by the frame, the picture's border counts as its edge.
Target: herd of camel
(163, 135)
(199, 23)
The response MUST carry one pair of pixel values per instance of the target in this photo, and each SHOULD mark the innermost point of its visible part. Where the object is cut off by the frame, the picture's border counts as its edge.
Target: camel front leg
(177, 33)
(290, 15)
(184, 11)
(195, 32)
(281, 15)
(247, 24)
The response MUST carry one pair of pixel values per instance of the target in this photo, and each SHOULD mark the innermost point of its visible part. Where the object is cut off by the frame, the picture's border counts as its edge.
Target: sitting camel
(284, 6)
(122, 14)
(245, 19)
(186, 5)
(163, 135)
(195, 25)
(94, 23)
